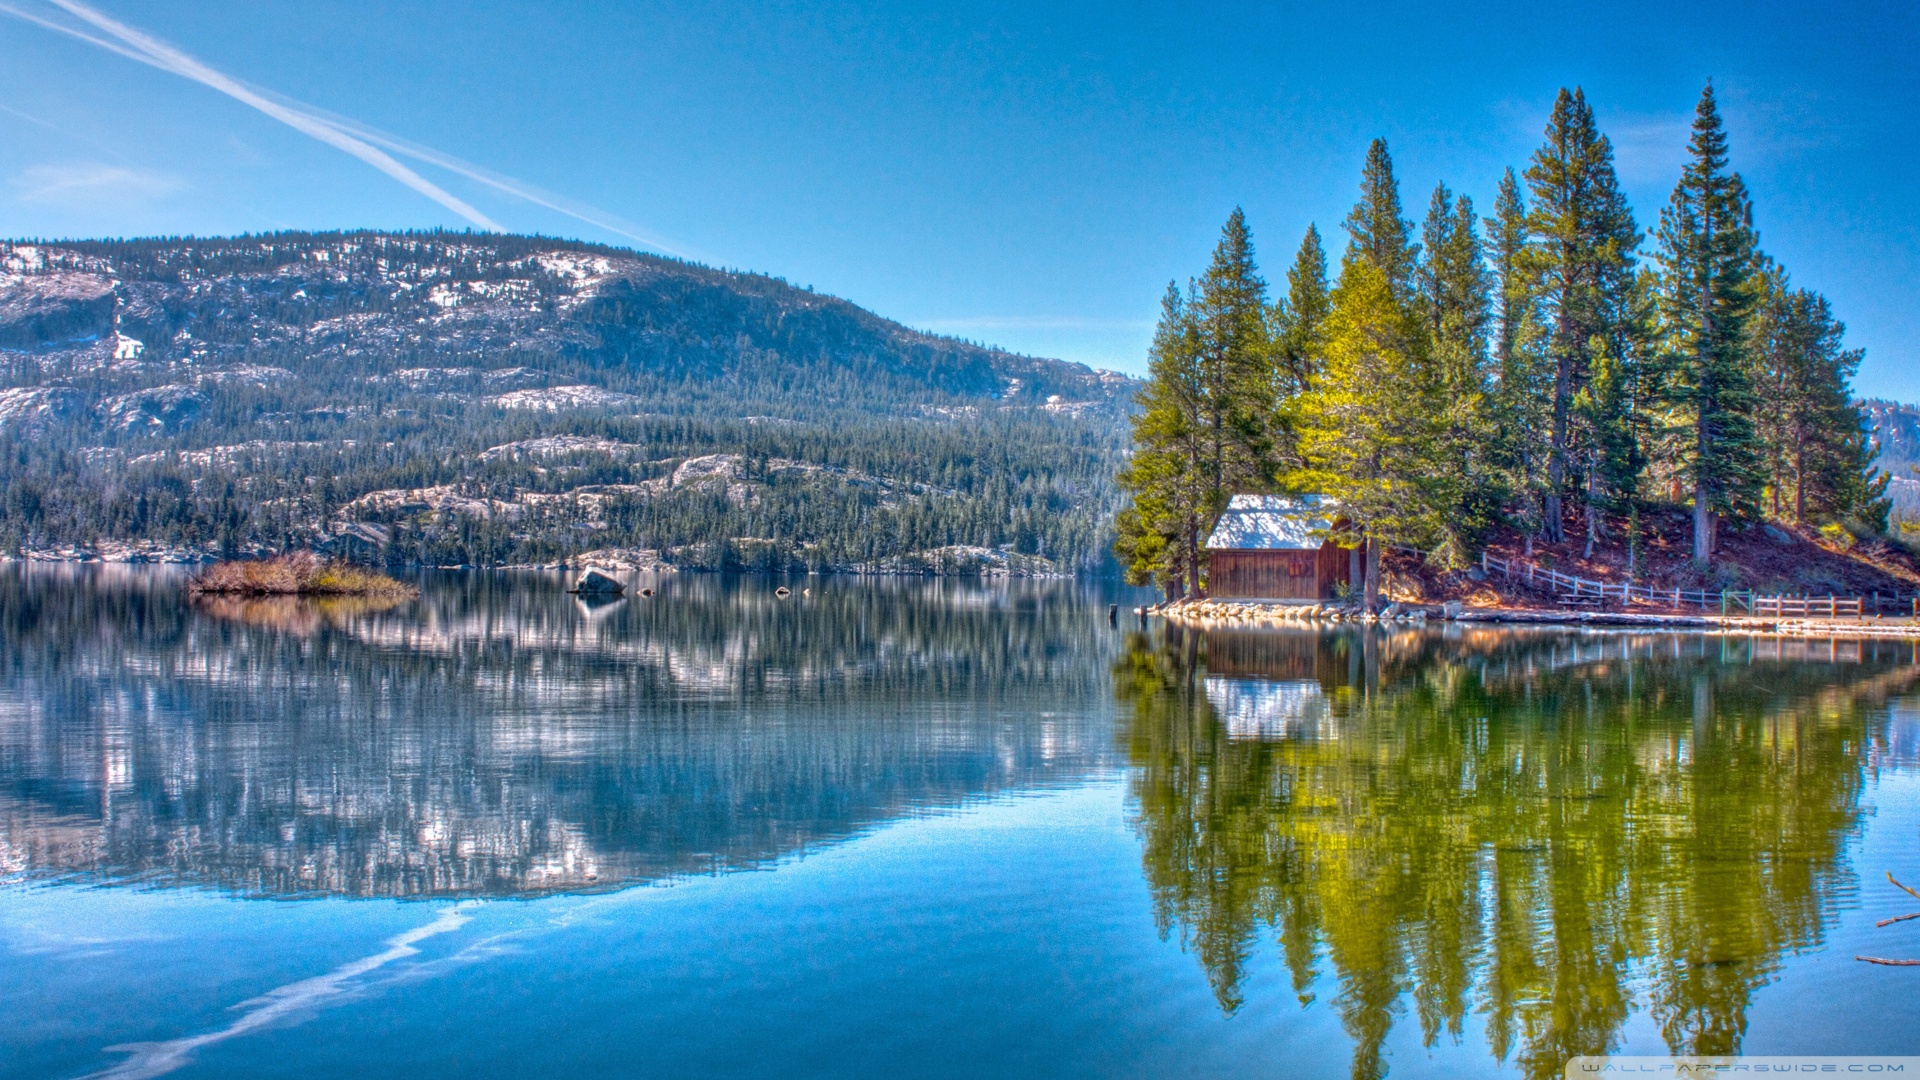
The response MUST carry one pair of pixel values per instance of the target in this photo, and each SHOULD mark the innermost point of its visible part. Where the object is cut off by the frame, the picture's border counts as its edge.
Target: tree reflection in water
(1552, 831)
(497, 737)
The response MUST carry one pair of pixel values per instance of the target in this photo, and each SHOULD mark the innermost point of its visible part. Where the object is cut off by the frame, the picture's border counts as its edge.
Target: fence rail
(1579, 590)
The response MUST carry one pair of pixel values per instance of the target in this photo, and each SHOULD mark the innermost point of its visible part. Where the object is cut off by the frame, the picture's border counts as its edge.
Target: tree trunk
(1551, 527)
(1800, 485)
(1193, 557)
(1373, 575)
(1593, 503)
(1356, 573)
(1702, 523)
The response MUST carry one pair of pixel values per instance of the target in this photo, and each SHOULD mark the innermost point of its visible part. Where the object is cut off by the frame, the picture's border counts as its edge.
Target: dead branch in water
(1890, 922)
(1902, 888)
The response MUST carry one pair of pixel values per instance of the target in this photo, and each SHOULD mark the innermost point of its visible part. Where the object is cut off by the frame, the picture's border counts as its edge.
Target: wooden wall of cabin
(1275, 575)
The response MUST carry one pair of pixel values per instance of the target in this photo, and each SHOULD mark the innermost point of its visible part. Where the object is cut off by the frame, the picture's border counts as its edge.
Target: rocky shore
(1254, 613)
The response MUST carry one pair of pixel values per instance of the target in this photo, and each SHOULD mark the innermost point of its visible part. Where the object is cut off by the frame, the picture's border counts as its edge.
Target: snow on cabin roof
(1272, 523)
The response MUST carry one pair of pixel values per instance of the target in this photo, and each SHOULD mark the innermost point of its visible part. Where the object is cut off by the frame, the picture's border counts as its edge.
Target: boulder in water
(598, 582)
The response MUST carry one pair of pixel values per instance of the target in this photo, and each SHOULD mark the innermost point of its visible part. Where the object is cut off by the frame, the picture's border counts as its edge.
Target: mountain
(489, 399)
(1896, 428)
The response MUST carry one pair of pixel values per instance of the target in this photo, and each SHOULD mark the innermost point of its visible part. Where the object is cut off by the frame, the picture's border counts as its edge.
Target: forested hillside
(485, 399)
(1896, 431)
(1552, 373)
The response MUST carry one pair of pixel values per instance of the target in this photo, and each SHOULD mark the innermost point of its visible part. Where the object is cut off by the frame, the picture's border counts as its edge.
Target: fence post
(1723, 603)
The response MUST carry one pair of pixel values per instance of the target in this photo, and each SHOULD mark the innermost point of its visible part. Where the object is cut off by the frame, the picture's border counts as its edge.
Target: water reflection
(497, 737)
(1552, 832)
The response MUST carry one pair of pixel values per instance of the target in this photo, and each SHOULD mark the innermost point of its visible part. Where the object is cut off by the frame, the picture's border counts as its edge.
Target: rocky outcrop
(33, 407)
(597, 582)
(44, 309)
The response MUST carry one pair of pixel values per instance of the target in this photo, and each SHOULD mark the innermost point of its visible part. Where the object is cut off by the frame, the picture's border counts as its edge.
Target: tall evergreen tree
(1582, 257)
(1369, 427)
(1307, 305)
(1818, 456)
(1159, 532)
(1455, 297)
(1375, 229)
(1708, 257)
(1208, 417)
(1524, 400)
(1229, 316)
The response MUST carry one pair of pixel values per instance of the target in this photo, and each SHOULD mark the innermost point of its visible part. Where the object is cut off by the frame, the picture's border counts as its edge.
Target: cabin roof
(1272, 523)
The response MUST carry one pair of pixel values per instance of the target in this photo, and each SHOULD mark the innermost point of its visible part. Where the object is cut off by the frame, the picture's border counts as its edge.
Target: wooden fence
(1579, 590)
(1830, 606)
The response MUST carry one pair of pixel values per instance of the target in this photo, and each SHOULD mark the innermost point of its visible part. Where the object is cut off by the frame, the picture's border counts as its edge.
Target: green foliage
(1375, 230)
(1371, 426)
(1455, 298)
(1158, 532)
(1303, 317)
(1581, 259)
(1208, 422)
(1818, 458)
(1493, 374)
(1708, 258)
(1524, 396)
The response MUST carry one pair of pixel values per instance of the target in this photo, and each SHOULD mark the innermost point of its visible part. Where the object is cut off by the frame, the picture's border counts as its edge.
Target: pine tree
(1708, 257)
(1306, 307)
(1816, 448)
(1370, 426)
(1454, 298)
(1208, 423)
(1582, 258)
(1375, 229)
(1228, 313)
(1159, 531)
(1524, 400)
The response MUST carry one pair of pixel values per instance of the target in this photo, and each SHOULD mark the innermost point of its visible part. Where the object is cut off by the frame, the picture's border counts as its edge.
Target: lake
(925, 828)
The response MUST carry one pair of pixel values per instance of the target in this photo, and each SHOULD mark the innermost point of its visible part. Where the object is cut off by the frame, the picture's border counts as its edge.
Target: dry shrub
(298, 573)
(298, 615)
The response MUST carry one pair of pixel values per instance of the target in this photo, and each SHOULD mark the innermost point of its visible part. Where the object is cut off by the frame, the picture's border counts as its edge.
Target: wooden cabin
(1274, 547)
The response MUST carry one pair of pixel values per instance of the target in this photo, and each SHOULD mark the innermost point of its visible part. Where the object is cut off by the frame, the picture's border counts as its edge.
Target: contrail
(171, 59)
(361, 140)
(519, 189)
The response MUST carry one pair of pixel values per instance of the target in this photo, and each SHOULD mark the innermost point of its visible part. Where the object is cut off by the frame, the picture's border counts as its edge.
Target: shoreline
(155, 554)
(1251, 614)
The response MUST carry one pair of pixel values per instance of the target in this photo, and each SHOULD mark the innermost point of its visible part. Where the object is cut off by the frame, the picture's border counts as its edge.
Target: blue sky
(1023, 174)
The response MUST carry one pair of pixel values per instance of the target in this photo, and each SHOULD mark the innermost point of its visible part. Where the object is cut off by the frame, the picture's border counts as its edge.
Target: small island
(298, 573)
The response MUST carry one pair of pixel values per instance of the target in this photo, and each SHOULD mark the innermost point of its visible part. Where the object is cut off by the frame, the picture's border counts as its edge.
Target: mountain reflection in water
(497, 737)
(1551, 831)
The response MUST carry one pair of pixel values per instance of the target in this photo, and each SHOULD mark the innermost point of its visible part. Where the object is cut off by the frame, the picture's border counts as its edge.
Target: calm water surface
(918, 828)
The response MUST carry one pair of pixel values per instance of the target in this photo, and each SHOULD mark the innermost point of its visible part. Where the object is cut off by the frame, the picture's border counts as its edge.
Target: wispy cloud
(1648, 149)
(91, 182)
(134, 44)
(375, 147)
